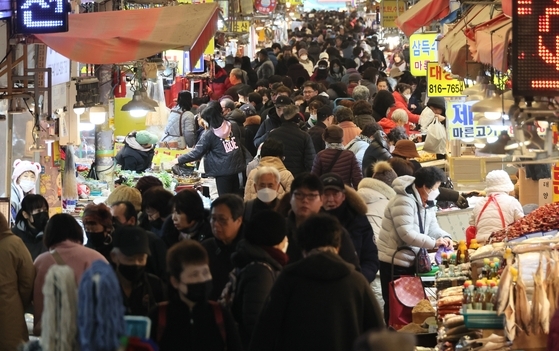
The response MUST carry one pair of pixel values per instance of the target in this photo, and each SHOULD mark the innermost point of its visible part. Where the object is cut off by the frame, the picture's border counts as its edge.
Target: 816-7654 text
(446, 88)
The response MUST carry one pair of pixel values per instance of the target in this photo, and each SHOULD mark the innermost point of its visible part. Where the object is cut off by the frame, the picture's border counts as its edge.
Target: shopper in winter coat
(297, 72)
(361, 142)
(499, 208)
(155, 209)
(24, 182)
(362, 113)
(259, 260)
(273, 120)
(271, 156)
(30, 223)
(298, 146)
(217, 85)
(325, 118)
(251, 126)
(181, 124)
(336, 71)
(402, 95)
(321, 284)
(265, 68)
(224, 158)
(16, 274)
(398, 118)
(410, 220)
(369, 80)
(344, 116)
(377, 151)
(345, 204)
(305, 61)
(335, 159)
(137, 153)
(383, 101)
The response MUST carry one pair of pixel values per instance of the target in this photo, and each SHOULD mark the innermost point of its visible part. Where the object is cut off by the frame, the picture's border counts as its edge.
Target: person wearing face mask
(402, 94)
(124, 214)
(305, 61)
(98, 223)
(271, 158)
(30, 223)
(320, 74)
(260, 258)
(64, 240)
(24, 182)
(336, 71)
(410, 220)
(190, 320)
(141, 291)
(155, 209)
(272, 119)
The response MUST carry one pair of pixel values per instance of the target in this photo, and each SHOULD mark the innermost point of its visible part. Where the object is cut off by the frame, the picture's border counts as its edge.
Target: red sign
(535, 47)
(265, 6)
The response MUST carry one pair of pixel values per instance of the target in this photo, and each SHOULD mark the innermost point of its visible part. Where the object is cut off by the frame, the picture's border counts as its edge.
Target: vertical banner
(555, 169)
(391, 9)
(423, 49)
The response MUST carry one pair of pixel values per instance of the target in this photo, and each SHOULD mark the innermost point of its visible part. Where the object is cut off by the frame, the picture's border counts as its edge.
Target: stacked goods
(449, 301)
(454, 329)
(545, 218)
(422, 311)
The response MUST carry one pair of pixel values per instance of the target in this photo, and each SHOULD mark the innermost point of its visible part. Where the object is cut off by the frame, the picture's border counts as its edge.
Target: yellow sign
(240, 26)
(423, 49)
(391, 9)
(440, 83)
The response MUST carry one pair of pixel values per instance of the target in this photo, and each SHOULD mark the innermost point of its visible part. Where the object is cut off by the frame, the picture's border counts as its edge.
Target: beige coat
(16, 288)
(285, 177)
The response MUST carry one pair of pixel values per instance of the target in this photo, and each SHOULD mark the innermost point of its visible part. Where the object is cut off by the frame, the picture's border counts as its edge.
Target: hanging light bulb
(492, 115)
(137, 107)
(97, 114)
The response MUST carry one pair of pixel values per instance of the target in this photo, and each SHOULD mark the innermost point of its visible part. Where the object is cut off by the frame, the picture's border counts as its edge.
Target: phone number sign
(441, 83)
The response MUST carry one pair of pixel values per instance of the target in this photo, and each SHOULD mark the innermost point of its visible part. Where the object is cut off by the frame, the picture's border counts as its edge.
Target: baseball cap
(283, 101)
(332, 181)
(131, 240)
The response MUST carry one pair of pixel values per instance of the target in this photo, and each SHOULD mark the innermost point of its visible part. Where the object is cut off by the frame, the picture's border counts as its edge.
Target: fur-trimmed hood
(372, 189)
(252, 120)
(354, 201)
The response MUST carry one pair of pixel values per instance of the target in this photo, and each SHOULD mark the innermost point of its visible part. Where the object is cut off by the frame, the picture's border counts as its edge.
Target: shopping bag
(436, 138)
(423, 261)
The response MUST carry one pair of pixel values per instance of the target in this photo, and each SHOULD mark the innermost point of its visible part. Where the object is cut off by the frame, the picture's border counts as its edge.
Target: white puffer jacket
(490, 219)
(400, 225)
(358, 147)
(376, 195)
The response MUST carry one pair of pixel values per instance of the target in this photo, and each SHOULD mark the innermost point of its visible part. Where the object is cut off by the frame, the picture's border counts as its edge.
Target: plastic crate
(475, 319)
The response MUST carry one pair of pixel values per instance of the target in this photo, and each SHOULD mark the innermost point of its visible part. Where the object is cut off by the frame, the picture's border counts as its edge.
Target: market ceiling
(121, 36)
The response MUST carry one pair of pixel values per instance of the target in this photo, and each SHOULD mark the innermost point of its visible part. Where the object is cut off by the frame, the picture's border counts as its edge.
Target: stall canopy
(490, 42)
(422, 14)
(453, 47)
(121, 36)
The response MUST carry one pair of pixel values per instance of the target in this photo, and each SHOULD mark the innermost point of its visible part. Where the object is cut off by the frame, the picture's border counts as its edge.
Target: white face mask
(407, 96)
(304, 58)
(266, 195)
(432, 196)
(27, 185)
(313, 117)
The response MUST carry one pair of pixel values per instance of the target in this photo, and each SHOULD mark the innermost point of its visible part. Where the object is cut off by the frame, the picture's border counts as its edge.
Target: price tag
(440, 83)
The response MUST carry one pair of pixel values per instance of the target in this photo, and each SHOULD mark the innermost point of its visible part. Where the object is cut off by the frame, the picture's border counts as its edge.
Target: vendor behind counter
(138, 151)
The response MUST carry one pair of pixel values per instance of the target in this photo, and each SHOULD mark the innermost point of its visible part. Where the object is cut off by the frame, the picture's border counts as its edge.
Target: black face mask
(96, 238)
(131, 273)
(198, 292)
(40, 220)
(158, 223)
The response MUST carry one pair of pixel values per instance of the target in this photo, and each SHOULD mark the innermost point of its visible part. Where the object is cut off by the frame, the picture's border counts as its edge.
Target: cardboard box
(528, 189)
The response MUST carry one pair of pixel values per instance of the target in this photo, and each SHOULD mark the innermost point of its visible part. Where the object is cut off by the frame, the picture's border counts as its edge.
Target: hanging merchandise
(265, 6)
(70, 188)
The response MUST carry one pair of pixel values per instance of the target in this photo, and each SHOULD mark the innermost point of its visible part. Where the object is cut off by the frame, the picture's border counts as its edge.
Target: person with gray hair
(236, 78)
(232, 114)
(266, 184)
(361, 93)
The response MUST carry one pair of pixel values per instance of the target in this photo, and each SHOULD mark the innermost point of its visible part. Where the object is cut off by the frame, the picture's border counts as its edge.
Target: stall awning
(453, 49)
(121, 36)
(422, 14)
(490, 42)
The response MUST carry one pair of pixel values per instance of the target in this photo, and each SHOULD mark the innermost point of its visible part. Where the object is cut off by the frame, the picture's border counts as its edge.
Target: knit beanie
(21, 166)
(384, 172)
(98, 213)
(144, 137)
(126, 193)
(266, 228)
(147, 182)
(333, 134)
(498, 181)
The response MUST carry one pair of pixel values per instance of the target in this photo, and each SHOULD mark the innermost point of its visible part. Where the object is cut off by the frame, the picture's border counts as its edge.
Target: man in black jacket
(377, 151)
(324, 119)
(298, 146)
(272, 120)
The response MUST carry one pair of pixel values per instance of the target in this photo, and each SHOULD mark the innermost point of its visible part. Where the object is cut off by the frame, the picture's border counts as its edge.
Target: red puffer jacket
(218, 84)
(346, 166)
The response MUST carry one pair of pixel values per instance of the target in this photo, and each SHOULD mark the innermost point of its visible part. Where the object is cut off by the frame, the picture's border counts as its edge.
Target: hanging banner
(240, 26)
(423, 49)
(441, 84)
(391, 9)
(461, 125)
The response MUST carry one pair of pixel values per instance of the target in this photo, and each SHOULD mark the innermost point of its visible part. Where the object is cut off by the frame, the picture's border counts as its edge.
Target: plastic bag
(436, 138)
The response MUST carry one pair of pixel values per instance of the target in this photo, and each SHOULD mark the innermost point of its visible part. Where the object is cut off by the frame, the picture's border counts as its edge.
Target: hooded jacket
(251, 126)
(134, 157)
(258, 273)
(400, 225)
(265, 69)
(271, 122)
(377, 151)
(317, 286)
(376, 195)
(346, 165)
(16, 290)
(490, 219)
(358, 147)
(352, 215)
(181, 123)
(285, 177)
(221, 156)
(298, 147)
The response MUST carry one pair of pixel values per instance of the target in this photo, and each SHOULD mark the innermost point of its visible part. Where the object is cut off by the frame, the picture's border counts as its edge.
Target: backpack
(228, 293)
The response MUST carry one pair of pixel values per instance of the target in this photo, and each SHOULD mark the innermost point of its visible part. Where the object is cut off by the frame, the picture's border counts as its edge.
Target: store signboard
(391, 9)
(60, 66)
(240, 26)
(555, 169)
(440, 83)
(461, 125)
(423, 49)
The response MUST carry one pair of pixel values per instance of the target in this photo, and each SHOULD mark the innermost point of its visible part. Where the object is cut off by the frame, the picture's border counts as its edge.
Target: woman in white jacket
(501, 211)
(377, 192)
(409, 220)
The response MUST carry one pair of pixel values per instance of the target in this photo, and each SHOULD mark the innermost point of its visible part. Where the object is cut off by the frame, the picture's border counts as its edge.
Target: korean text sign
(461, 125)
(440, 83)
(423, 49)
(391, 9)
(240, 27)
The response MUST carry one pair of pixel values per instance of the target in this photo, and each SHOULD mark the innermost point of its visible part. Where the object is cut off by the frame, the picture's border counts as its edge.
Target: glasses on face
(302, 196)
(308, 92)
(220, 220)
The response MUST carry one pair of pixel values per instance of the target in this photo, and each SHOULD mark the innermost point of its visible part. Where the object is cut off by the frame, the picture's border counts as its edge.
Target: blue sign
(42, 16)
(199, 68)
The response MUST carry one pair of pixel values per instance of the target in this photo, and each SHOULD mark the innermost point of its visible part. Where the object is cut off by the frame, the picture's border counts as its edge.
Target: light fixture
(97, 114)
(137, 107)
(147, 99)
(479, 144)
(492, 115)
(79, 108)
